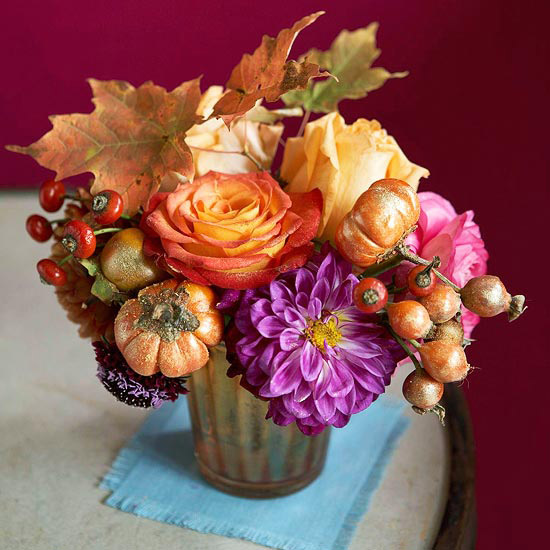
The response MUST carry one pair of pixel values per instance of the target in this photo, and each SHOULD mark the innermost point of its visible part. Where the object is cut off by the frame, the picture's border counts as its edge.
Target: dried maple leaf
(267, 74)
(131, 140)
(350, 60)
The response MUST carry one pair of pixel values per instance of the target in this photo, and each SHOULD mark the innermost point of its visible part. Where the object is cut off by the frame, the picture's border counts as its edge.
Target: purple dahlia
(301, 343)
(130, 387)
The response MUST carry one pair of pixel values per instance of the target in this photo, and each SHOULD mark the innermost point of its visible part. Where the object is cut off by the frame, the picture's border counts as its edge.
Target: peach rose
(343, 161)
(212, 136)
(234, 231)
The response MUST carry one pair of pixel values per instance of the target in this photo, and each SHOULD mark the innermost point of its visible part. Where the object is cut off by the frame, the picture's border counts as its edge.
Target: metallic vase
(237, 450)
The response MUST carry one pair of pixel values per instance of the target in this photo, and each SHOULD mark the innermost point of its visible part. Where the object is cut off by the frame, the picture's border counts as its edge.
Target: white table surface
(60, 431)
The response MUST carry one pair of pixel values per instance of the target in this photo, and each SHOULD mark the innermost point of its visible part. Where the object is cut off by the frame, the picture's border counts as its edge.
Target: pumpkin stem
(162, 312)
(166, 314)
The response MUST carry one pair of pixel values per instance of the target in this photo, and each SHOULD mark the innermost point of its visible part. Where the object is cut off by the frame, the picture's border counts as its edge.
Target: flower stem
(381, 267)
(247, 154)
(406, 254)
(214, 151)
(107, 230)
(305, 120)
(406, 348)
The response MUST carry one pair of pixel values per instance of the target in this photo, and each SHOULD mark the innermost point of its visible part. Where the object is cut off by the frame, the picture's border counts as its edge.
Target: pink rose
(455, 239)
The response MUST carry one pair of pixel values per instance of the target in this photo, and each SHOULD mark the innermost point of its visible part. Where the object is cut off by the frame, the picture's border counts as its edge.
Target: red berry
(451, 331)
(421, 390)
(107, 207)
(487, 296)
(50, 273)
(442, 304)
(79, 239)
(39, 228)
(420, 281)
(444, 361)
(51, 195)
(409, 319)
(370, 295)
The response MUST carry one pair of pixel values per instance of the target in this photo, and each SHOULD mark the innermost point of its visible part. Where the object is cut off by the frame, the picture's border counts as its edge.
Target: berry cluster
(432, 315)
(77, 237)
(372, 236)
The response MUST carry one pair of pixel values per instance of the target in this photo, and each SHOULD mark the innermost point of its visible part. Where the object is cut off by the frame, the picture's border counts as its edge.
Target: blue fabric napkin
(156, 476)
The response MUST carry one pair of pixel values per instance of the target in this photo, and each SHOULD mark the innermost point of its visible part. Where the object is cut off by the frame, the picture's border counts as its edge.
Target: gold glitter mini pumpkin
(168, 328)
(381, 216)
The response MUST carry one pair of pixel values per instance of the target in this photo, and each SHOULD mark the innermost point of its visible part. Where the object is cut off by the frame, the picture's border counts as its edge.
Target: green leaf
(350, 60)
(104, 289)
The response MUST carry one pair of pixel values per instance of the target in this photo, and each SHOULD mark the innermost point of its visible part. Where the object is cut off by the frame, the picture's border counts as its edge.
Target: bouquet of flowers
(319, 276)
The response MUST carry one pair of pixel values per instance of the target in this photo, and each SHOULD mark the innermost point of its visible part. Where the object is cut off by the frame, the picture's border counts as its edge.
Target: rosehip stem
(392, 289)
(382, 267)
(64, 260)
(73, 197)
(414, 343)
(107, 230)
(406, 348)
(406, 254)
(436, 262)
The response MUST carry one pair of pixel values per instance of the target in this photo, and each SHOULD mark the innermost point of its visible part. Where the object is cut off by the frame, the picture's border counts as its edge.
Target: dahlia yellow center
(320, 332)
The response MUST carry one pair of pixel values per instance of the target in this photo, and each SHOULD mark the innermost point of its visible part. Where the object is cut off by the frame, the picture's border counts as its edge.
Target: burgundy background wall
(473, 110)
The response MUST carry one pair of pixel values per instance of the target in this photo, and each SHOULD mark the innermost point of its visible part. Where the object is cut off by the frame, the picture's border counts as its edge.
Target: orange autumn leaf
(266, 74)
(129, 142)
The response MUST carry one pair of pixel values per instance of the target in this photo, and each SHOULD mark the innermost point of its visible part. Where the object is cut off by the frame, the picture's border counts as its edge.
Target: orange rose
(234, 231)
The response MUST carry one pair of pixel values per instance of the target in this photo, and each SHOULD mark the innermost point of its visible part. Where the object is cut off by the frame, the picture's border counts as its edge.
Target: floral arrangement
(320, 276)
